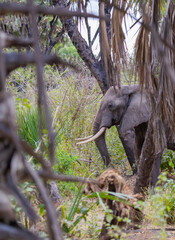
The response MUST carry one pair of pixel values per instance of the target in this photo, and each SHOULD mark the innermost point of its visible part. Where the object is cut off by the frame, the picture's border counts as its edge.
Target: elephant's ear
(129, 89)
(136, 113)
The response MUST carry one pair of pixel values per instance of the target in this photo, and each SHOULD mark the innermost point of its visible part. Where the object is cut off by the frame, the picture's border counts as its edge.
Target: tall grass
(73, 100)
(159, 208)
(28, 125)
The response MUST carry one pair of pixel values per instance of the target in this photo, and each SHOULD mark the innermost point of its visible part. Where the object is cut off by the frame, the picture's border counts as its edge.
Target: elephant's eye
(110, 106)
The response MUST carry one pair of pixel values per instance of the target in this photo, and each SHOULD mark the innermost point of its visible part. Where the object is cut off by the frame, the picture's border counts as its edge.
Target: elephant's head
(125, 107)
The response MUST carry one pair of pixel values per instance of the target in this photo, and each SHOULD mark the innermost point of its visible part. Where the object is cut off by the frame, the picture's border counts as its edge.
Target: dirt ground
(146, 232)
(91, 228)
(154, 234)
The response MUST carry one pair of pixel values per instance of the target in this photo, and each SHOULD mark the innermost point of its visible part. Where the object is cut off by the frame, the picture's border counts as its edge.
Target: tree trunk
(149, 162)
(84, 50)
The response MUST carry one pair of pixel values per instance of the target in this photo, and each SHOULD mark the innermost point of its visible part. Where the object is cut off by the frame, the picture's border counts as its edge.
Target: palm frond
(142, 56)
(117, 33)
(168, 85)
(111, 69)
(142, 48)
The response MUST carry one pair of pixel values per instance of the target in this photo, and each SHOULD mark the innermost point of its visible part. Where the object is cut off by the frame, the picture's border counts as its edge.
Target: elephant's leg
(140, 132)
(128, 140)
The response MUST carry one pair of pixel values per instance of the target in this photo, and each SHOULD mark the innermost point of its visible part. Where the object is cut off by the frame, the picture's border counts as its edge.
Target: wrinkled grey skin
(127, 109)
(128, 139)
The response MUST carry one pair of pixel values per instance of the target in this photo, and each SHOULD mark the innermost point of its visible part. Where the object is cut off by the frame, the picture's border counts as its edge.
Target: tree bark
(84, 51)
(149, 162)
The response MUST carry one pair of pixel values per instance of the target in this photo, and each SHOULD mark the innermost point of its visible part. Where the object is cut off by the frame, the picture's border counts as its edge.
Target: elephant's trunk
(101, 144)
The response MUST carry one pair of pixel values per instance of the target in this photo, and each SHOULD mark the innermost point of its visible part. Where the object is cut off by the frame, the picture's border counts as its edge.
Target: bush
(160, 206)
(27, 122)
(168, 161)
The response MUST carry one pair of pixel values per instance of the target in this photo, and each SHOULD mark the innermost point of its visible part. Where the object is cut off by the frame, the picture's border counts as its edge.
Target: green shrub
(160, 207)
(64, 161)
(168, 161)
(27, 122)
(116, 150)
(67, 51)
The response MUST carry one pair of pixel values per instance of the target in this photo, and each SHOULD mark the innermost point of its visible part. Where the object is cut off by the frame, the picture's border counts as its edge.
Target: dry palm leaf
(117, 34)
(164, 87)
(142, 56)
(167, 90)
(111, 70)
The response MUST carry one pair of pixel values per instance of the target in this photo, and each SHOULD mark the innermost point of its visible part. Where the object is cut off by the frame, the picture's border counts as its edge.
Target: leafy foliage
(168, 161)
(160, 206)
(28, 125)
(71, 100)
(76, 212)
(67, 51)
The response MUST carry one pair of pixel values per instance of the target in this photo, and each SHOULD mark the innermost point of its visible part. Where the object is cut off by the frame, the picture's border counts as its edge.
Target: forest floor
(148, 231)
(154, 234)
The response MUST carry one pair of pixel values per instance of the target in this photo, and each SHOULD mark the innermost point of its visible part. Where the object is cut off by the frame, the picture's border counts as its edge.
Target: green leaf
(25, 100)
(103, 195)
(121, 195)
(109, 218)
(41, 208)
(75, 204)
(26, 105)
(101, 202)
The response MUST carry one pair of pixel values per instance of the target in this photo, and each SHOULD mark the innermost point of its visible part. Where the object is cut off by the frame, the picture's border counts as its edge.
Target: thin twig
(61, 177)
(15, 60)
(13, 233)
(53, 226)
(14, 8)
(42, 98)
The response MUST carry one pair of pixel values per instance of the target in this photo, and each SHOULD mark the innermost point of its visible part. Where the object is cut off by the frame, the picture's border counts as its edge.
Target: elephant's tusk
(82, 139)
(97, 135)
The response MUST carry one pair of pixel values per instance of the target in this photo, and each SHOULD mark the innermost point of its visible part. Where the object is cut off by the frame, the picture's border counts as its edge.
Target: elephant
(127, 108)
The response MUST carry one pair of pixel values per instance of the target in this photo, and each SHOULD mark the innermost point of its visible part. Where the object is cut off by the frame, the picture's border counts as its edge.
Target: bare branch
(15, 60)
(28, 149)
(7, 8)
(13, 233)
(9, 41)
(42, 98)
(61, 177)
(53, 227)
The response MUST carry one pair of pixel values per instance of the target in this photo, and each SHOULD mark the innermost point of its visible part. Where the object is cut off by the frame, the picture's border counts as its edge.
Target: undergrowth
(73, 101)
(159, 208)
